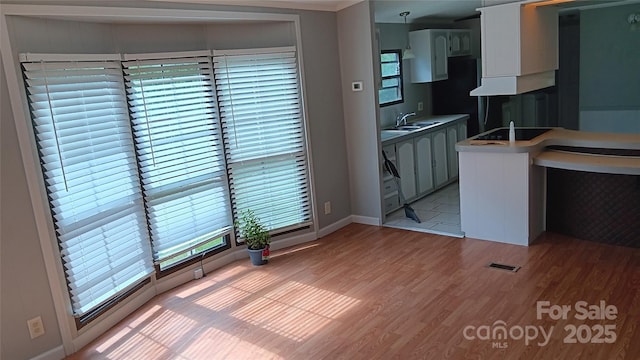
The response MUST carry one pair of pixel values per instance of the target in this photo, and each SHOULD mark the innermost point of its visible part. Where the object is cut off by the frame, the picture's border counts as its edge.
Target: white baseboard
(335, 226)
(367, 220)
(57, 353)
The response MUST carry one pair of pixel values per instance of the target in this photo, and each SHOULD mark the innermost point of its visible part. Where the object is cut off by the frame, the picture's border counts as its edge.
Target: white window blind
(84, 140)
(260, 107)
(180, 152)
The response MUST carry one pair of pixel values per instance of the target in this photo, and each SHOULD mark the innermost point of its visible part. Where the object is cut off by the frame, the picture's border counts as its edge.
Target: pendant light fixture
(407, 53)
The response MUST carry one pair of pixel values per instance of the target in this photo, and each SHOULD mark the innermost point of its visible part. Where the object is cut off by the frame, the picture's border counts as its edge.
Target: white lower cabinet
(424, 163)
(462, 131)
(406, 169)
(440, 167)
(498, 193)
(452, 155)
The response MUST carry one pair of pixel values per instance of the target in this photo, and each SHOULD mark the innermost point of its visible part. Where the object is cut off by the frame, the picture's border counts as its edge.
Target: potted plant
(255, 236)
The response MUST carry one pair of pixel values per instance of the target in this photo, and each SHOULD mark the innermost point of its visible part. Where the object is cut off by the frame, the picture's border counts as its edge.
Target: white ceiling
(322, 5)
(388, 11)
(385, 10)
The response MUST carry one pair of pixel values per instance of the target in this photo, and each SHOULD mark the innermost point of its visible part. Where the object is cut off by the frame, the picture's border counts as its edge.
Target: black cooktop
(521, 134)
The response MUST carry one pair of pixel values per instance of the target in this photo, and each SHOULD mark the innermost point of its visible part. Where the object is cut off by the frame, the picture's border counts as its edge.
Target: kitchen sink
(409, 127)
(426, 123)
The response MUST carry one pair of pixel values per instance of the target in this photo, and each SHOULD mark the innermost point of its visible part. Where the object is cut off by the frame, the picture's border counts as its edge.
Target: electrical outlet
(420, 105)
(327, 208)
(197, 274)
(36, 328)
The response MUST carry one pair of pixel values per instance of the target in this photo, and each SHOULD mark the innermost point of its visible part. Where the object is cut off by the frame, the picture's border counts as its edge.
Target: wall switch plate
(356, 86)
(327, 208)
(420, 106)
(36, 327)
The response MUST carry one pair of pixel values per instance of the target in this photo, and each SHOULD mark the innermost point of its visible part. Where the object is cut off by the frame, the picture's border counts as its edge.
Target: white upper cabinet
(519, 48)
(431, 49)
(459, 42)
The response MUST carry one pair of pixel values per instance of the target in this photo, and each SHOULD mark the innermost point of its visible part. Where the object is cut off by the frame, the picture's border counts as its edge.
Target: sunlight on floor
(138, 346)
(295, 310)
(193, 289)
(295, 249)
(149, 336)
(138, 320)
(222, 298)
(229, 303)
(207, 346)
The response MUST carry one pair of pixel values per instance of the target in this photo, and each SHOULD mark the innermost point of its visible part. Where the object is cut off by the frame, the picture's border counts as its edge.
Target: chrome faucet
(402, 118)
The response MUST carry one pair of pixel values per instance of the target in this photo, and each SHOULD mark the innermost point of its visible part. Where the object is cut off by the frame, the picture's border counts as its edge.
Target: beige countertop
(607, 164)
(557, 136)
(392, 135)
(610, 164)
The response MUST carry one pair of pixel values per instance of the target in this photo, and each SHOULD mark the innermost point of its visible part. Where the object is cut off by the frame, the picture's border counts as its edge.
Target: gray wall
(325, 108)
(609, 70)
(24, 285)
(355, 33)
(25, 289)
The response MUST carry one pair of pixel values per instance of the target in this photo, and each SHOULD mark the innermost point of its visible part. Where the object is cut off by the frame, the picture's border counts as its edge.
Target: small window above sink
(391, 91)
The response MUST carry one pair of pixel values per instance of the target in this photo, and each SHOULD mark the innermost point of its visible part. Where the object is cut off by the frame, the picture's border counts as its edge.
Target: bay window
(146, 157)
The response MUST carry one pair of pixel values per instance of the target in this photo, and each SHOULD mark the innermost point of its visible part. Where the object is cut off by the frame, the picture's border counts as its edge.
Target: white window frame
(241, 61)
(168, 244)
(72, 339)
(70, 168)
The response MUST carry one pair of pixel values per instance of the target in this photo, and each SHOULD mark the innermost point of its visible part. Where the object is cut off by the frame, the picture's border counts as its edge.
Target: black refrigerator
(451, 96)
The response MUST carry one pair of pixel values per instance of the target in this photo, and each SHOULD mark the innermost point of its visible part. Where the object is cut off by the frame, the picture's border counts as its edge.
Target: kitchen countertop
(391, 135)
(556, 136)
(563, 159)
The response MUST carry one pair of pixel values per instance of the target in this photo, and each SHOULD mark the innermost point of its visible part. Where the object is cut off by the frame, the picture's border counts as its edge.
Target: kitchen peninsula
(504, 186)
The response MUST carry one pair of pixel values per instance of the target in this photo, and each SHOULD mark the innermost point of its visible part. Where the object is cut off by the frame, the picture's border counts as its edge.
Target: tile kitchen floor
(439, 213)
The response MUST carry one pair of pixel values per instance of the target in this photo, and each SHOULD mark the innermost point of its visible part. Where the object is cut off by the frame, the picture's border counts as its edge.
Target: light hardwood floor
(368, 292)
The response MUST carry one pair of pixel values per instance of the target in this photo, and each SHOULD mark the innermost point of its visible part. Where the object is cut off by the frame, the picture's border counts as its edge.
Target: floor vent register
(505, 267)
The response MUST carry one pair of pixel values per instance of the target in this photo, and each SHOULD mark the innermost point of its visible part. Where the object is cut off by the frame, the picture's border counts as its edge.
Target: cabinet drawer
(391, 203)
(389, 187)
